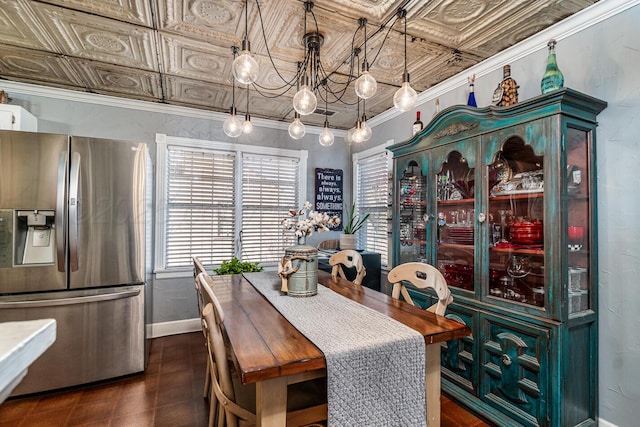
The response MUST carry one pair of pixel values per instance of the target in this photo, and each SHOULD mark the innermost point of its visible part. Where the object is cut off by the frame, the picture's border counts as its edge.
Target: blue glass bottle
(552, 78)
(471, 101)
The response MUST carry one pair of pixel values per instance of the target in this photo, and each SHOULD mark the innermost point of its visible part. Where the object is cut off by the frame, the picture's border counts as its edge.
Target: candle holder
(576, 237)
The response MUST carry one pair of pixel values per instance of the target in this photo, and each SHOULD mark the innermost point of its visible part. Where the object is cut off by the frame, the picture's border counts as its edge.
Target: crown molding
(586, 18)
(147, 106)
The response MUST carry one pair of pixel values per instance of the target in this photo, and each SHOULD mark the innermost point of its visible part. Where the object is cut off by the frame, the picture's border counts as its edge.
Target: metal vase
(304, 258)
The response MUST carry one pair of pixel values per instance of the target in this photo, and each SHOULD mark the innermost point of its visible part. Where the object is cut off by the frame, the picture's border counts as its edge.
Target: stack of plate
(462, 234)
(527, 232)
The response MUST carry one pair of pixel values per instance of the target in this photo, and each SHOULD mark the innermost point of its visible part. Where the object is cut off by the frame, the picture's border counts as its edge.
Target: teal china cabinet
(503, 201)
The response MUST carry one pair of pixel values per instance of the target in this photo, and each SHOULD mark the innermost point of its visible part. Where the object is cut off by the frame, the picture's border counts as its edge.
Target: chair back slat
(350, 259)
(422, 276)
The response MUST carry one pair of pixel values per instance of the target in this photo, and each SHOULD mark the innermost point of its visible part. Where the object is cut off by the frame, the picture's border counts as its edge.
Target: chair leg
(207, 383)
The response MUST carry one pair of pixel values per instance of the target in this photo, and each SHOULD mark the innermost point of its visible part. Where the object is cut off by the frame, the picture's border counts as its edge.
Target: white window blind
(270, 187)
(372, 193)
(200, 216)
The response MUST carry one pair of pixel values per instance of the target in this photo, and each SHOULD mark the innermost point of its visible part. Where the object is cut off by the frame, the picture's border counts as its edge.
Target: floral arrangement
(304, 222)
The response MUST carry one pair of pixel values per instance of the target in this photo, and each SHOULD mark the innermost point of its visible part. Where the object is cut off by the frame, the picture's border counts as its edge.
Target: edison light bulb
(232, 126)
(405, 97)
(366, 131)
(245, 68)
(366, 85)
(326, 136)
(305, 101)
(358, 134)
(297, 129)
(247, 126)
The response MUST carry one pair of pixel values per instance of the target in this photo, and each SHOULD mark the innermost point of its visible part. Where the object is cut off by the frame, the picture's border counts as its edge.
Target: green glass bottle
(552, 78)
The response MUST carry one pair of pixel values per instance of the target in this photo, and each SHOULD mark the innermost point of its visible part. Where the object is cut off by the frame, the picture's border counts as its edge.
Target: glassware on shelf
(518, 266)
(504, 213)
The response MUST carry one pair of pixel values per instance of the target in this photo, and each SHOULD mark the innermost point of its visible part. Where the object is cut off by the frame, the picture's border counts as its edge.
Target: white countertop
(21, 343)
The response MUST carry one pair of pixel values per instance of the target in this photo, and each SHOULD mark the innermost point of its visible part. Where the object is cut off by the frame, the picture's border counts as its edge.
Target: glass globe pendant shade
(405, 98)
(366, 131)
(366, 85)
(358, 134)
(297, 129)
(305, 101)
(247, 126)
(326, 136)
(232, 126)
(348, 138)
(245, 68)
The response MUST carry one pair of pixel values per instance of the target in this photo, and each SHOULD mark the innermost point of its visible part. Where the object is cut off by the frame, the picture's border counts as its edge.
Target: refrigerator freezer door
(29, 177)
(107, 213)
(100, 335)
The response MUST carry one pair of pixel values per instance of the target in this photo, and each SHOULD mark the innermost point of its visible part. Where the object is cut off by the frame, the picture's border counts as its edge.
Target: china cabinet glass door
(455, 213)
(412, 213)
(578, 219)
(515, 216)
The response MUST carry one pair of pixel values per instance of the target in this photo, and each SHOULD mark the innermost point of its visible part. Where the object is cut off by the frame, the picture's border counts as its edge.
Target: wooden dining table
(270, 352)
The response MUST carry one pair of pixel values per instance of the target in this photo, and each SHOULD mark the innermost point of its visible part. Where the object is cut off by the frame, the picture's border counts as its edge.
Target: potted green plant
(235, 266)
(351, 225)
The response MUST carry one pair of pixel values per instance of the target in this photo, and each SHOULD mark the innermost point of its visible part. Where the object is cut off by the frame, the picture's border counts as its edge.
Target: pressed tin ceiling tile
(179, 51)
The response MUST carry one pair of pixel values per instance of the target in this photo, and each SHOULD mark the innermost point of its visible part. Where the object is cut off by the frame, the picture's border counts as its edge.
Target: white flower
(304, 222)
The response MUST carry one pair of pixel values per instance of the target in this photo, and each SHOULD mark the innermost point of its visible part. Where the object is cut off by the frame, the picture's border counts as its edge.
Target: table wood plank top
(267, 346)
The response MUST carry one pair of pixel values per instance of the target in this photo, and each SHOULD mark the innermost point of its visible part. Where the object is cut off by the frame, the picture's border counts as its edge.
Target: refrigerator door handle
(69, 301)
(74, 210)
(60, 210)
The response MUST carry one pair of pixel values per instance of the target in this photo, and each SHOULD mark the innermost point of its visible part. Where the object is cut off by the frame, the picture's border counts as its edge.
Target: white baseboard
(605, 423)
(156, 330)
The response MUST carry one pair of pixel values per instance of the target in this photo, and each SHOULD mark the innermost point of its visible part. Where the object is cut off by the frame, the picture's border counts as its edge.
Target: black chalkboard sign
(329, 193)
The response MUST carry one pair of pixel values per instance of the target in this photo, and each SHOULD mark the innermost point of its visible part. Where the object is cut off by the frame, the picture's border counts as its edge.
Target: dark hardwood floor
(168, 393)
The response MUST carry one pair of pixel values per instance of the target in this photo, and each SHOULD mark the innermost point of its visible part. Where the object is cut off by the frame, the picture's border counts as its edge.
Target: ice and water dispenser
(27, 237)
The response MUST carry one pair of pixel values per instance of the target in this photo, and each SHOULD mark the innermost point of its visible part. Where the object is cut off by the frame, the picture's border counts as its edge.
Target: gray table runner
(375, 365)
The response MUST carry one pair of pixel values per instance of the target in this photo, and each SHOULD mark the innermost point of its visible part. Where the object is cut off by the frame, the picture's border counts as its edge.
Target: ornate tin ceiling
(179, 51)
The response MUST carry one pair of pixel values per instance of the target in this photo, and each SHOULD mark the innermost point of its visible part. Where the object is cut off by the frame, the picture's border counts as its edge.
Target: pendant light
(358, 135)
(297, 128)
(365, 129)
(326, 136)
(247, 126)
(405, 98)
(366, 84)
(232, 126)
(245, 68)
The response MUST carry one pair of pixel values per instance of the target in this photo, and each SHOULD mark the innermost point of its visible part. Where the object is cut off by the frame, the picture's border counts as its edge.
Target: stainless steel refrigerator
(72, 248)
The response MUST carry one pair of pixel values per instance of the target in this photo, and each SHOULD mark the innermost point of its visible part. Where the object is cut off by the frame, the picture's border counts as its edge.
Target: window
(200, 215)
(219, 200)
(371, 189)
(270, 187)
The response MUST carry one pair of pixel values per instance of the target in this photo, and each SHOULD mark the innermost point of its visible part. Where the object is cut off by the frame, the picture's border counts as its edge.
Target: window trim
(163, 142)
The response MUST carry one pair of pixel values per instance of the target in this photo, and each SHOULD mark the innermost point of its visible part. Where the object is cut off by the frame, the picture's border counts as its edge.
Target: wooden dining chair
(201, 282)
(306, 401)
(348, 258)
(422, 276)
(198, 268)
